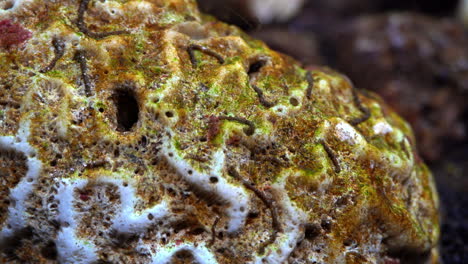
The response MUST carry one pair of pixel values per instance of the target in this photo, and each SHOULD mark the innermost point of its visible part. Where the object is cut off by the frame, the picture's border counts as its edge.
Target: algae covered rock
(146, 132)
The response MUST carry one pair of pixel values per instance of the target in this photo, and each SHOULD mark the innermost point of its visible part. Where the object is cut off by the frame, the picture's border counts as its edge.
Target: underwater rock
(147, 132)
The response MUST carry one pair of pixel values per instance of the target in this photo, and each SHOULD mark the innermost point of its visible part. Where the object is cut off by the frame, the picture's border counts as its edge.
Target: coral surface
(146, 132)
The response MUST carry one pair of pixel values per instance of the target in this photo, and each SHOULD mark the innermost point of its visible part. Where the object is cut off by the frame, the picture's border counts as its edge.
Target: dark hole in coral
(311, 231)
(127, 109)
(326, 224)
(253, 214)
(144, 141)
(197, 230)
(256, 66)
(293, 101)
(49, 251)
(348, 242)
(213, 179)
(184, 254)
(169, 114)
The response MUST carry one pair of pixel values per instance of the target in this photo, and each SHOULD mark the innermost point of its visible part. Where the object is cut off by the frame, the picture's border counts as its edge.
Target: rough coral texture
(146, 132)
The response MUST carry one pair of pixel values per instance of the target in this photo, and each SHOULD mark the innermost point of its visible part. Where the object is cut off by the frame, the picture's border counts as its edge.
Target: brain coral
(145, 132)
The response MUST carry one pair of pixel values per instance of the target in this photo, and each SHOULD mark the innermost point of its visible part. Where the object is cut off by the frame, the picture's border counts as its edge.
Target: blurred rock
(303, 47)
(249, 13)
(420, 66)
(452, 185)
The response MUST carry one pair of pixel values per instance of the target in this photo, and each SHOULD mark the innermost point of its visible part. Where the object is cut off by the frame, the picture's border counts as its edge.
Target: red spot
(234, 140)
(84, 196)
(213, 127)
(12, 34)
(178, 242)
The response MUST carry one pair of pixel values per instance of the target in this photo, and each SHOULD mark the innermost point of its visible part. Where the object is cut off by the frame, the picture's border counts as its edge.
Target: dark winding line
(192, 47)
(365, 111)
(332, 156)
(80, 57)
(268, 203)
(213, 231)
(83, 7)
(262, 98)
(310, 81)
(59, 50)
(251, 127)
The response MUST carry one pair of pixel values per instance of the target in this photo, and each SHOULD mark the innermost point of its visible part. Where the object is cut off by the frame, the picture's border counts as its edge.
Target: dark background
(414, 53)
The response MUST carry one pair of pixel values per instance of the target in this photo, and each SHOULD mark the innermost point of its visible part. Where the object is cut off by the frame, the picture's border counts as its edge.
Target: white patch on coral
(291, 219)
(200, 253)
(18, 195)
(129, 221)
(235, 196)
(280, 110)
(346, 133)
(70, 248)
(323, 86)
(382, 128)
(112, 8)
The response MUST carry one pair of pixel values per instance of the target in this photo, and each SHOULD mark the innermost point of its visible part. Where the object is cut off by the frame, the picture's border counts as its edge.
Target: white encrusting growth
(236, 196)
(382, 128)
(200, 253)
(75, 250)
(346, 133)
(18, 195)
(129, 221)
(291, 219)
(70, 248)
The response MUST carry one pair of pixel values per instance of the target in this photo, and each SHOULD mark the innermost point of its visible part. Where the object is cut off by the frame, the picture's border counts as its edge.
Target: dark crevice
(10, 103)
(59, 50)
(256, 66)
(9, 245)
(83, 7)
(49, 251)
(311, 231)
(409, 256)
(191, 51)
(275, 224)
(122, 240)
(127, 108)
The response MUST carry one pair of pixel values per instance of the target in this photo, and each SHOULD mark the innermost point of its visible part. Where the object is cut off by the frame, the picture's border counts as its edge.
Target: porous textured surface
(146, 132)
